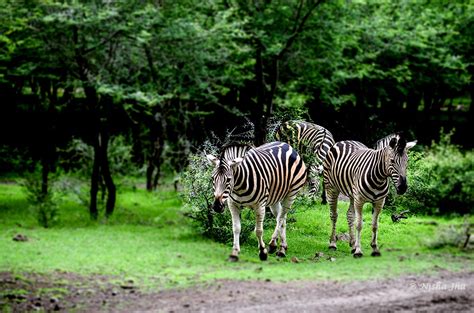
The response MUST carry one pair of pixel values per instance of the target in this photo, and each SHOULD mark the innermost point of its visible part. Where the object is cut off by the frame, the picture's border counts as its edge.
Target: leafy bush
(45, 204)
(441, 180)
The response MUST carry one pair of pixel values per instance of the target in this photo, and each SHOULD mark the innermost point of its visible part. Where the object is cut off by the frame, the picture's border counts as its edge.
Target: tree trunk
(44, 177)
(109, 183)
(95, 181)
(259, 118)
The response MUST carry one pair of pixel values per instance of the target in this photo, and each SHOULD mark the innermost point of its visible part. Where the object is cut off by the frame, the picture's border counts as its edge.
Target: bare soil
(444, 292)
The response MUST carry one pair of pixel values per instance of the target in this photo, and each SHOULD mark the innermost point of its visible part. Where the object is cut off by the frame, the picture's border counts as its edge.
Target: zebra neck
(379, 170)
(383, 164)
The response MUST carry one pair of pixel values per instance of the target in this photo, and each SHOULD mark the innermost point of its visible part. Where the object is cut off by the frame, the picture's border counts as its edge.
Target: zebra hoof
(263, 256)
(353, 250)
(233, 258)
(281, 254)
(272, 249)
(376, 253)
(358, 255)
(334, 248)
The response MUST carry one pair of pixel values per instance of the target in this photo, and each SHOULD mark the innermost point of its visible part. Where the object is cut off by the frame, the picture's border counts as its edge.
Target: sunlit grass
(148, 239)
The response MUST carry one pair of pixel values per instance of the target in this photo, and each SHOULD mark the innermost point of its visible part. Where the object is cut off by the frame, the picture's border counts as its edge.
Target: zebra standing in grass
(363, 174)
(313, 143)
(269, 175)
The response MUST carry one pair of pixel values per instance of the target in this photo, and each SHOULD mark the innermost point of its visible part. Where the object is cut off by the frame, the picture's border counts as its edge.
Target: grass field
(149, 240)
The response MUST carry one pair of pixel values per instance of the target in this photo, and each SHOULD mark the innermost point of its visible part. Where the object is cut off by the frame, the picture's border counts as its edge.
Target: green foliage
(45, 204)
(80, 156)
(440, 179)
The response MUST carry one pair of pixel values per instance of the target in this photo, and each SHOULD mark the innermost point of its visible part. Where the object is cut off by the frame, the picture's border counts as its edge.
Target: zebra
(313, 143)
(363, 174)
(268, 175)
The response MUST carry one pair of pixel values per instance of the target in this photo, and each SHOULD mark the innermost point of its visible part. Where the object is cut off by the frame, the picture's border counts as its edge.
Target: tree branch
(103, 42)
(298, 27)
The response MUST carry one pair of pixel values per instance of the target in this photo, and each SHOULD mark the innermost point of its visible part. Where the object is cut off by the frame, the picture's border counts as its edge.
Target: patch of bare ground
(443, 292)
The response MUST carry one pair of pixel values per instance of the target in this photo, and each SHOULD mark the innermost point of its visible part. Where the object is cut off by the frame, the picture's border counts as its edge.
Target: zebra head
(223, 175)
(397, 161)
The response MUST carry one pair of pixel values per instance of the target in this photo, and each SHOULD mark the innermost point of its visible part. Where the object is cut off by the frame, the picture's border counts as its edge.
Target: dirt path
(445, 292)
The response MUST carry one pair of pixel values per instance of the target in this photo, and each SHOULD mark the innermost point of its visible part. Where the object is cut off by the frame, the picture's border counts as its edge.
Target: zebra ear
(235, 162)
(393, 142)
(213, 160)
(410, 145)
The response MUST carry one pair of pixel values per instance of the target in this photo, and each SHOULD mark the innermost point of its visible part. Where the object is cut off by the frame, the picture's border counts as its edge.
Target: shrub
(45, 204)
(441, 180)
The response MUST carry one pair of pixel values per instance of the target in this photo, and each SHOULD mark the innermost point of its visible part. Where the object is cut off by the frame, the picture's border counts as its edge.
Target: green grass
(149, 240)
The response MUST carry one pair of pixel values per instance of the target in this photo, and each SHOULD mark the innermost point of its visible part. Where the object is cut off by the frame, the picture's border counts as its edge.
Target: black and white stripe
(362, 174)
(269, 175)
(313, 143)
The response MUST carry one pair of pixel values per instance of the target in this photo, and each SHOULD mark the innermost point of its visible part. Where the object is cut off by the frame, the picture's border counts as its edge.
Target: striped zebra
(363, 175)
(269, 175)
(313, 143)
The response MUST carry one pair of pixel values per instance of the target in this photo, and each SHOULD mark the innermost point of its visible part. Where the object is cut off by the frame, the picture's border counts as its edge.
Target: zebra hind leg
(282, 223)
(273, 245)
(350, 223)
(358, 217)
(260, 213)
(332, 199)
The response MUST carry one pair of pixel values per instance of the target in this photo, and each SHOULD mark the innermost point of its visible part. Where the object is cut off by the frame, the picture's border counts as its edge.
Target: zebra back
(269, 173)
(354, 169)
(311, 140)
(234, 150)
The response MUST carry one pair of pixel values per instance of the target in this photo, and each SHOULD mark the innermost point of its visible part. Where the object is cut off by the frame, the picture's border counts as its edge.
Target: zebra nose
(402, 185)
(218, 206)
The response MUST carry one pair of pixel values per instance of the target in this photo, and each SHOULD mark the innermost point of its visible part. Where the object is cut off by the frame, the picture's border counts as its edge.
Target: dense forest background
(159, 77)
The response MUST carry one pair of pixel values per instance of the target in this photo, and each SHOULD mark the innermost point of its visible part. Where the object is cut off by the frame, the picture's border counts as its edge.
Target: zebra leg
(260, 213)
(358, 205)
(323, 195)
(276, 210)
(350, 223)
(332, 199)
(282, 221)
(375, 225)
(235, 212)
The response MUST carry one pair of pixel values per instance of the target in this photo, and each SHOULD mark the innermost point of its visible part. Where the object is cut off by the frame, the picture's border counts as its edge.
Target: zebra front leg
(358, 216)
(235, 212)
(260, 213)
(350, 223)
(276, 210)
(332, 199)
(375, 225)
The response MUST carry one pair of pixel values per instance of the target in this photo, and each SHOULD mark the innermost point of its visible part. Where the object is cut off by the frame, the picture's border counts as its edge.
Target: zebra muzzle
(218, 206)
(402, 185)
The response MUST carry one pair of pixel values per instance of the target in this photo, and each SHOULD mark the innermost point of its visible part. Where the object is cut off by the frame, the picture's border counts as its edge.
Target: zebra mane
(234, 150)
